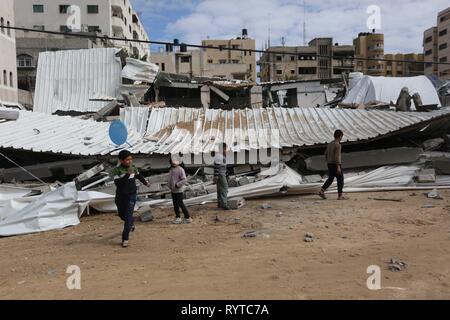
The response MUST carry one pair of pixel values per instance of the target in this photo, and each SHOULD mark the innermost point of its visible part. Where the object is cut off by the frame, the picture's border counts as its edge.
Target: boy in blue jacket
(125, 176)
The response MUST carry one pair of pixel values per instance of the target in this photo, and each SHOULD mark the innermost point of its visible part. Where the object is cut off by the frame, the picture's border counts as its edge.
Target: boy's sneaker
(177, 221)
(322, 195)
(125, 244)
(188, 220)
(133, 228)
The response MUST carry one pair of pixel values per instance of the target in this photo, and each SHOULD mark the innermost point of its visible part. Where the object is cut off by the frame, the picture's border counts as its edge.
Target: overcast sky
(402, 21)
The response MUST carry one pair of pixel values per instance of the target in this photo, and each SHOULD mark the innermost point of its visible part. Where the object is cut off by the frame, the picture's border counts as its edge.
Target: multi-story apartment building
(206, 62)
(8, 70)
(404, 65)
(113, 18)
(319, 60)
(370, 46)
(436, 46)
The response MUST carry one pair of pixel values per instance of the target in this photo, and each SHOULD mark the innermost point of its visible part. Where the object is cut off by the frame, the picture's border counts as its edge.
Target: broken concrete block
(147, 216)
(90, 173)
(434, 195)
(442, 166)
(313, 178)
(242, 169)
(433, 144)
(372, 158)
(426, 175)
(208, 171)
(243, 181)
(266, 206)
(249, 234)
(236, 203)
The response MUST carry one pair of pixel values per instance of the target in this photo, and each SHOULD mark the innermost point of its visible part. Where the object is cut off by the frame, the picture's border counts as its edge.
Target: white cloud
(403, 21)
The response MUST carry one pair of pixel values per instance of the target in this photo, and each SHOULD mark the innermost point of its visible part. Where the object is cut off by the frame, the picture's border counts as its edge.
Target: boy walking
(220, 178)
(333, 157)
(125, 175)
(177, 181)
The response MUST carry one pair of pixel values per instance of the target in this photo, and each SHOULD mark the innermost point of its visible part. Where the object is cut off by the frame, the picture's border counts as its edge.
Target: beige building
(113, 18)
(8, 69)
(370, 46)
(404, 65)
(321, 59)
(226, 64)
(436, 46)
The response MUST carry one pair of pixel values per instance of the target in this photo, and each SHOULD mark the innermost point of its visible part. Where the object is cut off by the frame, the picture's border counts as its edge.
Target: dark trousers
(125, 206)
(332, 173)
(177, 199)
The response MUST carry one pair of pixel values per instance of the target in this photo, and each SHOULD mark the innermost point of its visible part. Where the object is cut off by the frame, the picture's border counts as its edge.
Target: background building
(113, 18)
(226, 64)
(436, 46)
(370, 46)
(319, 60)
(8, 70)
(404, 65)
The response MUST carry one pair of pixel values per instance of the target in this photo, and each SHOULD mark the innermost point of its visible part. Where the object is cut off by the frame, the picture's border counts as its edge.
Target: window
(429, 52)
(443, 59)
(11, 84)
(8, 30)
(2, 23)
(93, 29)
(63, 8)
(222, 61)
(292, 71)
(429, 39)
(428, 65)
(279, 58)
(38, 8)
(163, 66)
(442, 32)
(251, 67)
(92, 9)
(221, 47)
(292, 58)
(64, 29)
(235, 61)
(210, 61)
(443, 46)
(24, 61)
(185, 59)
(5, 78)
(307, 70)
(235, 46)
(39, 27)
(279, 72)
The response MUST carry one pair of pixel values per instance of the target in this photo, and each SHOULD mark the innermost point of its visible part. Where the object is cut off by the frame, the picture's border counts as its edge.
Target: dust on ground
(211, 260)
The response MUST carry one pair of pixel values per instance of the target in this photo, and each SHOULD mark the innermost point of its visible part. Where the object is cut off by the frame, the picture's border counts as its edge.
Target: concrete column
(205, 96)
(256, 95)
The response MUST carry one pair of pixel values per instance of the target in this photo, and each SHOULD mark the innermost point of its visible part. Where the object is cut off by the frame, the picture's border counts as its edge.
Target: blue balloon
(118, 132)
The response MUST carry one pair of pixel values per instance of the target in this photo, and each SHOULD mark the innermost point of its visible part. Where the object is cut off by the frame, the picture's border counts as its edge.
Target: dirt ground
(211, 260)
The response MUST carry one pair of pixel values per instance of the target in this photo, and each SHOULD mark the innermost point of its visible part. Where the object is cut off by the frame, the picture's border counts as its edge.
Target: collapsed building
(276, 132)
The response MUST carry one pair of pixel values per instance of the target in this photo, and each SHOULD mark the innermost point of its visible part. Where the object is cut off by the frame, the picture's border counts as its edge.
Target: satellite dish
(118, 132)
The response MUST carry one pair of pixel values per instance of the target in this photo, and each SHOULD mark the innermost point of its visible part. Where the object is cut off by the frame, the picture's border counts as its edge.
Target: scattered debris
(249, 234)
(428, 206)
(147, 217)
(309, 237)
(236, 203)
(266, 206)
(387, 199)
(434, 195)
(279, 214)
(396, 265)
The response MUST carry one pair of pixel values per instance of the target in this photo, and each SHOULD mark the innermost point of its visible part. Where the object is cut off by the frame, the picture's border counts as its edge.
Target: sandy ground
(211, 260)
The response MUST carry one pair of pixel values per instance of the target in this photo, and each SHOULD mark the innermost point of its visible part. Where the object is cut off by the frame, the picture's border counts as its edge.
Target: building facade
(404, 65)
(112, 18)
(214, 63)
(370, 46)
(436, 46)
(8, 70)
(321, 59)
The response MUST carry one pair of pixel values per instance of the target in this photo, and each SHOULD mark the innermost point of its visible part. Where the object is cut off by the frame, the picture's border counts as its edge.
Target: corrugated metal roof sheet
(188, 130)
(39, 132)
(171, 130)
(67, 80)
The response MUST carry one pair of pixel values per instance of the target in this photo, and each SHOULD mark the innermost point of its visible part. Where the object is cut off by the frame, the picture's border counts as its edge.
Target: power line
(91, 36)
